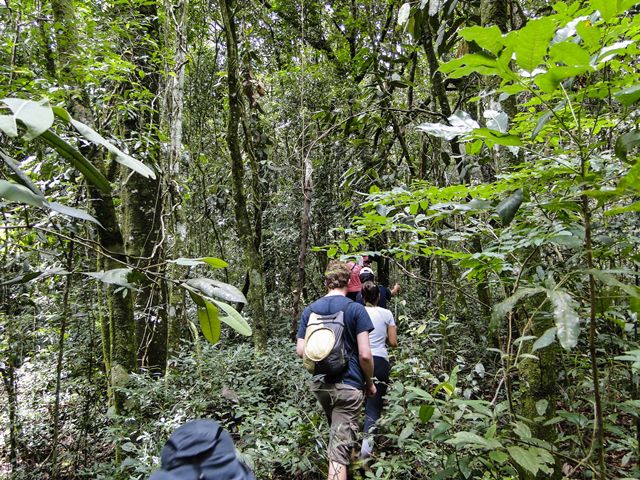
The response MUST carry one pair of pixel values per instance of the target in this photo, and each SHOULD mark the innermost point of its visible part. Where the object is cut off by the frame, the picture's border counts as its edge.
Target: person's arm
(395, 290)
(366, 362)
(392, 335)
(300, 347)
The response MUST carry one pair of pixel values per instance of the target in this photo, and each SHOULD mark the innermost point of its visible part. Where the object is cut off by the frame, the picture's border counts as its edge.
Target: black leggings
(373, 406)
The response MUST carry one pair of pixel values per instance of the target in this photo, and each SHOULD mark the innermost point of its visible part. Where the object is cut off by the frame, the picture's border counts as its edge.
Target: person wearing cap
(342, 396)
(384, 333)
(201, 450)
(367, 275)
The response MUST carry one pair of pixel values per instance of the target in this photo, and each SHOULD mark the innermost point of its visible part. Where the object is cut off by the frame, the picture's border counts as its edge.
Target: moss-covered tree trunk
(248, 237)
(143, 200)
(118, 330)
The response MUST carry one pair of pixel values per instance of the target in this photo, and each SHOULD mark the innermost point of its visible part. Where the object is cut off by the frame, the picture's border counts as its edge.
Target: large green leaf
(508, 208)
(502, 309)
(570, 53)
(121, 157)
(566, 318)
(545, 339)
(628, 96)
(37, 117)
(550, 80)
(489, 38)
(480, 63)
(526, 458)
(215, 289)
(494, 137)
(234, 319)
(90, 172)
(192, 262)
(625, 142)
(22, 177)
(209, 322)
(18, 193)
(532, 41)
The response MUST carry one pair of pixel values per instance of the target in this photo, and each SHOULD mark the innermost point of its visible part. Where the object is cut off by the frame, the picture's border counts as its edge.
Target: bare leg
(337, 471)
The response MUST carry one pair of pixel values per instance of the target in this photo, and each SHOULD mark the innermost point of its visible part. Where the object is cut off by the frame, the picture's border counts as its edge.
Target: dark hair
(370, 293)
(337, 275)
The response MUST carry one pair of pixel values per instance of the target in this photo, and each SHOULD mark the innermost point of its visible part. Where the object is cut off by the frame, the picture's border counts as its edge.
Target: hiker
(354, 286)
(341, 395)
(384, 332)
(367, 275)
(201, 450)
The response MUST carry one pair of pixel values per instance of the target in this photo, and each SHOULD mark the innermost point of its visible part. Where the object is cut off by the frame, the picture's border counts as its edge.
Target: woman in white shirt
(384, 333)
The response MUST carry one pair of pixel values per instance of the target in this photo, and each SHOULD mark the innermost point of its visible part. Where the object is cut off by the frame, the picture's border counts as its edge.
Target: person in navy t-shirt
(342, 397)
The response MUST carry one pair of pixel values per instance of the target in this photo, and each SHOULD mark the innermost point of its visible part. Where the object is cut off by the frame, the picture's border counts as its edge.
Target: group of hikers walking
(343, 338)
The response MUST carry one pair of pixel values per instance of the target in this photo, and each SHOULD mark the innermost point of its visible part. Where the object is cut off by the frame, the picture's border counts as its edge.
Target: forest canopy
(175, 177)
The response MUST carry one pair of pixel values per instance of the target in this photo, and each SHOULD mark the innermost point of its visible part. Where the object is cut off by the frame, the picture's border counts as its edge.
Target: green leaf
(625, 142)
(17, 193)
(634, 207)
(121, 157)
(607, 8)
(531, 42)
(234, 319)
(37, 117)
(566, 318)
(545, 339)
(508, 208)
(541, 406)
(489, 38)
(527, 459)
(498, 456)
(22, 177)
(542, 121)
(213, 288)
(628, 96)
(61, 113)
(209, 322)
(570, 53)
(496, 137)
(197, 299)
(215, 262)
(469, 438)
(91, 173)
(426, 412)
(480, 63)
(549, 81)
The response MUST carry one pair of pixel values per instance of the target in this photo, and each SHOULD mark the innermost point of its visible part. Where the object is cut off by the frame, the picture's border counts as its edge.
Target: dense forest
(176, 175)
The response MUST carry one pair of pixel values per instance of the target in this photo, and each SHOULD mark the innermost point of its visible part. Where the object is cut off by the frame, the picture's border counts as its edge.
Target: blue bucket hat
(201, 450)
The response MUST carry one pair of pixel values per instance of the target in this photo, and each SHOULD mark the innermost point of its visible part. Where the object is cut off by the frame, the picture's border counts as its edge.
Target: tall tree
(249, 236)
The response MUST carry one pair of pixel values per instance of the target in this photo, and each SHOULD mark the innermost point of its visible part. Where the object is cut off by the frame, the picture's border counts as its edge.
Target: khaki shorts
(342, 404)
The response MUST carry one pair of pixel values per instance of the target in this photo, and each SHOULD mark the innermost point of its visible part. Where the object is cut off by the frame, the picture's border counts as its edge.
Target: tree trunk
(143, 201)
(250, 245)
(120, 359)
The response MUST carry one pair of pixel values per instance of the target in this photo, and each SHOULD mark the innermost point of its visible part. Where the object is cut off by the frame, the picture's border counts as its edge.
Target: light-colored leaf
(71, 212)
(234, 319)
(8, 125)
(216, 289)
(434, 7)
(18, 193)
(116, 276)
(498, 121)
(121, 157)
(37, 117)
(545, 339)
(566, 318)
(24, 179)
(403, 13)
(461, 124)
(541, 406)
(209, 322)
